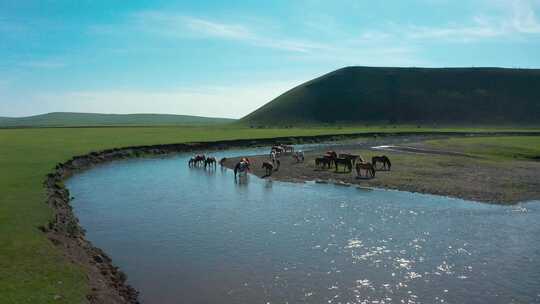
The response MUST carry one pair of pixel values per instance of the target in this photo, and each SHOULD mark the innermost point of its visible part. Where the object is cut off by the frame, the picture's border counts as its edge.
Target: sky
(227, 58)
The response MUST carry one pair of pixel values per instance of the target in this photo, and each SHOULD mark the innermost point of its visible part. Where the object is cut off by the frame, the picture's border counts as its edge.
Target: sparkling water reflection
(194, 236)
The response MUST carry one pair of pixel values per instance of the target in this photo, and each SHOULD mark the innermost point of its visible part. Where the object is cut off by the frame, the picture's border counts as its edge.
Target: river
(196, 236)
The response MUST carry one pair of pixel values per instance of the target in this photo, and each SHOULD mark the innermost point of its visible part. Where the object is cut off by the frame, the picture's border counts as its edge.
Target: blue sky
(227, 58)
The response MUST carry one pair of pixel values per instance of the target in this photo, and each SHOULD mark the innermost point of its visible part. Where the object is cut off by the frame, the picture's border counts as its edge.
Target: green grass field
(32, 270)
(498, 148)
(67, 119)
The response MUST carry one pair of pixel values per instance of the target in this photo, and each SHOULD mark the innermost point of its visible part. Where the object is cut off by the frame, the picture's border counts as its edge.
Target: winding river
(194, 236)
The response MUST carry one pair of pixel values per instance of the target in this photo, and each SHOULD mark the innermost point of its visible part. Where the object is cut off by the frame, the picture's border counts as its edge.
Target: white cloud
(524, 18)
(515, 17)
(181, 26)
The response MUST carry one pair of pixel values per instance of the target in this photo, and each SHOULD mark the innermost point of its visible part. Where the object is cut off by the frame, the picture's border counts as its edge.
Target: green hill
(66, 119)
(409, 95)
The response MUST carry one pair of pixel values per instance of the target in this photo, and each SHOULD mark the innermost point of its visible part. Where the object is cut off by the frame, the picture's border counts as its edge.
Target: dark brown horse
(345, 162)
(323, 162)
(199, 159)
(241, 167)
(268, 167)
(352, 157)
(210, 161)
(196, 160)
(381, 159)
(368, 167)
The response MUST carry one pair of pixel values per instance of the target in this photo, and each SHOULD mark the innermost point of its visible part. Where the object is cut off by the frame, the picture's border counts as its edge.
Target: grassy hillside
(470, 96)
(66, 119)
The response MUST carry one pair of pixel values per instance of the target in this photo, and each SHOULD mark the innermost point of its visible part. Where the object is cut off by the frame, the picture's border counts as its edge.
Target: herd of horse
(329, 160)
(210, 162)
(200, 160)
(348, 161)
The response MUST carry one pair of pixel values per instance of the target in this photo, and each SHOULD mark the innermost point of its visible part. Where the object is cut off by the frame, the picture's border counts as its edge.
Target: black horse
(345, 162)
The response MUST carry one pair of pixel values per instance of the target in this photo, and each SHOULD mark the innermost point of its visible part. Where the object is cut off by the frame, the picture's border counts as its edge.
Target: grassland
(67, 119)
(32, 270)
(498, 148)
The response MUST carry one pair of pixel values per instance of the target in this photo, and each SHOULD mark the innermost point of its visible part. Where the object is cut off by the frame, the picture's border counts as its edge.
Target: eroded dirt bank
(108, 284)
(417, 168)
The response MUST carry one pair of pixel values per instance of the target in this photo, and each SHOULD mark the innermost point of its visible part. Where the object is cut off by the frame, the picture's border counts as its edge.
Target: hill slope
(409, 95)
(66, 119)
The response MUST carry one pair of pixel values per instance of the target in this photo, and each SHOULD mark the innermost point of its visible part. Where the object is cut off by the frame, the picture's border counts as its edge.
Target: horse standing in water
(210, 161)
(381, 159)
(268, 167)
(242, 167)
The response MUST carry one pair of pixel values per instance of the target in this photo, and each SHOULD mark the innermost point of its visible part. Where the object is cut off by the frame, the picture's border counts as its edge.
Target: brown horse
(368, 167)
(381, 159)
(346, 162)
(268, 167)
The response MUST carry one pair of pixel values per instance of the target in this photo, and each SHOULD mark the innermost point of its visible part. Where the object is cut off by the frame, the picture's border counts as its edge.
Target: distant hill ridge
(409, 95)
(68, 119)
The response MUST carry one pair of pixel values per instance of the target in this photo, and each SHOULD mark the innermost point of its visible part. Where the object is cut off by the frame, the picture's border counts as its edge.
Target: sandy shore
(419, 168)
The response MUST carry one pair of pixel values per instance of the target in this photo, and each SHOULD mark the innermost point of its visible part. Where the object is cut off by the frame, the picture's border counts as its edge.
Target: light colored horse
(368, 167)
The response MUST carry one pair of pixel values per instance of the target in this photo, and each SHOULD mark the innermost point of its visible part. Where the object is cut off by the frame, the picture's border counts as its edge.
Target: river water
(194, 236)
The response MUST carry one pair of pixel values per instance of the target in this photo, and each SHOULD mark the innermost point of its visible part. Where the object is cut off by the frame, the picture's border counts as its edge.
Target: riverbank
(423, 166)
